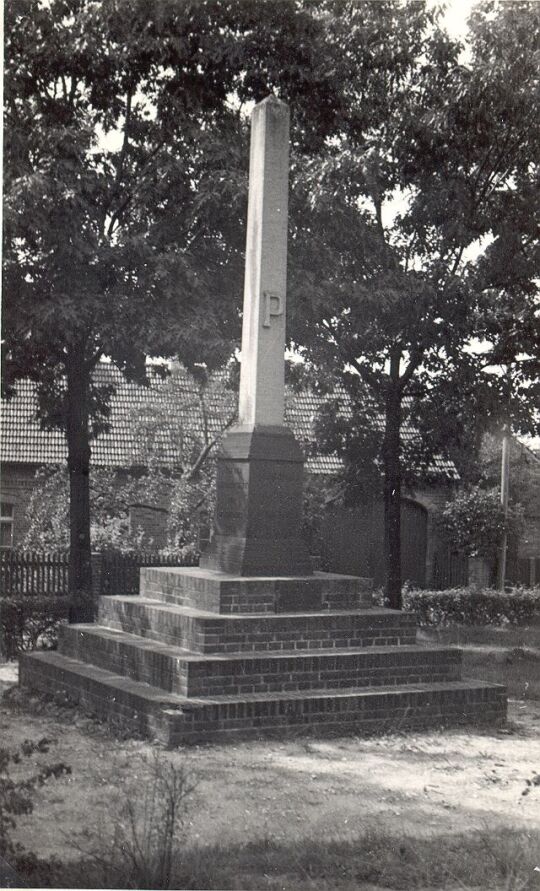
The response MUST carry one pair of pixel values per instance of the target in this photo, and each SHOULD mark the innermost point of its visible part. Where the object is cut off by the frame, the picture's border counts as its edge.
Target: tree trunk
(392, 487)
(78, 446)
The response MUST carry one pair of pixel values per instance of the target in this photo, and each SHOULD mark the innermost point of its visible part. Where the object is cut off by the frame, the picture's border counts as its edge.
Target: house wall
(16, 484)
(433, 499)
(354, 537)
(150, 524)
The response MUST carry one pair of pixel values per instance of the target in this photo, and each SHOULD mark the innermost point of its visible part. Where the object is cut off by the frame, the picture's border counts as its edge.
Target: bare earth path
(426, 784)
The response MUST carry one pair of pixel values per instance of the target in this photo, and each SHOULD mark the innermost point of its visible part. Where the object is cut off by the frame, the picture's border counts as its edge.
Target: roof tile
(22, 441)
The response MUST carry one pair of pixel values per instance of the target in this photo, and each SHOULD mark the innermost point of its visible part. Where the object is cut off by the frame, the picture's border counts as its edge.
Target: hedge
(473, 606)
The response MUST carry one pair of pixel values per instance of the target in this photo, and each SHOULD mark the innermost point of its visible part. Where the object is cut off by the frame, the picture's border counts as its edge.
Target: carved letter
(268, 310)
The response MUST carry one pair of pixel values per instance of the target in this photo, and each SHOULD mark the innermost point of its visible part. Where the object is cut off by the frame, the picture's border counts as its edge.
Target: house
(164, 413)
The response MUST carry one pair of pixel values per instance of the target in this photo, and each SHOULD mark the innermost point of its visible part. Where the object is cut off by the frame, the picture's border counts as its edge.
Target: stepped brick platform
(262, 657)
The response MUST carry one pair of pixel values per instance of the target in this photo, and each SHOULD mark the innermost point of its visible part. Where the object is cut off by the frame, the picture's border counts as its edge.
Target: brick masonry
(184, 674)
(191, 674)
(130, 705)
(206, 633)
(221, 593)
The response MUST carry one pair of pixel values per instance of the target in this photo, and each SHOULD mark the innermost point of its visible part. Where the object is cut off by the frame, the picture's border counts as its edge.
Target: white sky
(456, 15)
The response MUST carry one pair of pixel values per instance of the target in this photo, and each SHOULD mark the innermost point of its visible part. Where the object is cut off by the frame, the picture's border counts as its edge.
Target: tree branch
(137, 184)
(414, 362)
(194, 470)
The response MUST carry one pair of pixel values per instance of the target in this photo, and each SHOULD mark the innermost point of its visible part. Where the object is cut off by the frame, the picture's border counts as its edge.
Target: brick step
(190, 674)
(218, 592)
(175, 720)
(204, 632)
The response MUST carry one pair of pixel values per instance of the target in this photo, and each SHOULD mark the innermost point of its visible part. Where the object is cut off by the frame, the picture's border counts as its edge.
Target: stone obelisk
(258, 521)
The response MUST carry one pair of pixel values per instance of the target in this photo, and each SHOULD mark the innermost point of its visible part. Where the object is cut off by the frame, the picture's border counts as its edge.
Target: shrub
(146, 849)
(28, 621)
(473, 522)
(471, 606)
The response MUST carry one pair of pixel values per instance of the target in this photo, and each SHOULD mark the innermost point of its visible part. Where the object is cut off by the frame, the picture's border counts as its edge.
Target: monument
(253, 642)
(259, 481)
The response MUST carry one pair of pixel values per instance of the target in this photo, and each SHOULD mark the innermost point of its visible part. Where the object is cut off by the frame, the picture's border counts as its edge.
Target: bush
(28, 621)
(146, 849)
(473, 522)
(472, 606)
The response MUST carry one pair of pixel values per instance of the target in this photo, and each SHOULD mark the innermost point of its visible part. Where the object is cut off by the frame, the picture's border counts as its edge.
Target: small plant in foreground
(145, 849)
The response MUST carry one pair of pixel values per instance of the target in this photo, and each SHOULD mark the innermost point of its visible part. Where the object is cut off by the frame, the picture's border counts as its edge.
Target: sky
(456, 15)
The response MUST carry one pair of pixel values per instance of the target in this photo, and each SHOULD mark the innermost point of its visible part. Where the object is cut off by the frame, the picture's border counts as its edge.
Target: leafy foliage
(470, 606)
(205, 406)
(114, 240)
(319, 494)
(474, 522)
(125, 187)
(417, 237)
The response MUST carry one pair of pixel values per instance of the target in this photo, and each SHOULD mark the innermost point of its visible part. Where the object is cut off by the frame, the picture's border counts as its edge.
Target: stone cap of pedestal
(222, 592)
(261, 443)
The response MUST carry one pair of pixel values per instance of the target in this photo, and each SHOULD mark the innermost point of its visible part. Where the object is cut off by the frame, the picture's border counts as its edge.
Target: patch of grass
(518, 668)
(481, 859)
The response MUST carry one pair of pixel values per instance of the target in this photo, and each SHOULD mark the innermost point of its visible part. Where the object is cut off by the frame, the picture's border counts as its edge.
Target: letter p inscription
(273, 306)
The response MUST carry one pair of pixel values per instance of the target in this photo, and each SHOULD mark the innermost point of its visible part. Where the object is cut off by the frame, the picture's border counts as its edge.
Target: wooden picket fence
(33, 573)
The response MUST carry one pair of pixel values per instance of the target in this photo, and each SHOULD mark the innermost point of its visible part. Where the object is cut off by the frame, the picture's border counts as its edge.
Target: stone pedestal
(204, 656)
(258, 522)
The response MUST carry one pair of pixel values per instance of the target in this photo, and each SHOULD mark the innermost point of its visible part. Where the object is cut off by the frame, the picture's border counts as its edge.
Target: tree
(126, 158)
(391, 297)
(107, 250)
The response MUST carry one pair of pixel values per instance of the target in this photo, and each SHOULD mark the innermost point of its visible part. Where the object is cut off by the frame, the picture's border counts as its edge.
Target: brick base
(206, 589)
(161, 667)
(175, 720)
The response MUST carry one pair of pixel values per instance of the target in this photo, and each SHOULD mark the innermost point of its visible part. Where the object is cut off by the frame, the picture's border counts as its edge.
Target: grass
(481, 859)
(518, 668)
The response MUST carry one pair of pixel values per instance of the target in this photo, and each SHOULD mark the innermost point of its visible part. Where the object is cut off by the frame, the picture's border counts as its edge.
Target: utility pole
(505, 482)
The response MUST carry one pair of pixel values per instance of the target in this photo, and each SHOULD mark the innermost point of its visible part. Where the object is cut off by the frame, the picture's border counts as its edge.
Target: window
(6, 525)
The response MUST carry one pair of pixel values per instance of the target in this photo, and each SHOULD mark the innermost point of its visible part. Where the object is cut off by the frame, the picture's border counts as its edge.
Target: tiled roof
(22, 440)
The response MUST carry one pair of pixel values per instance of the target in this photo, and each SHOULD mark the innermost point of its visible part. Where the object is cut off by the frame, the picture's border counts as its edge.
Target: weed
(145, 848)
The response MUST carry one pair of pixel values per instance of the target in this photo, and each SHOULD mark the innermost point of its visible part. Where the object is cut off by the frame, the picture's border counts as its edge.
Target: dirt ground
(421, 784)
